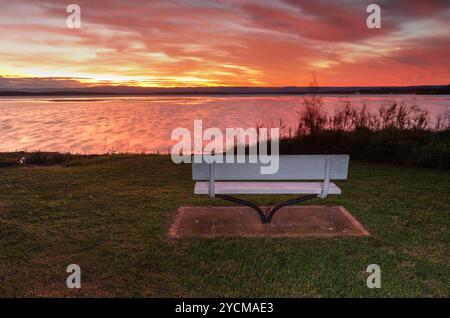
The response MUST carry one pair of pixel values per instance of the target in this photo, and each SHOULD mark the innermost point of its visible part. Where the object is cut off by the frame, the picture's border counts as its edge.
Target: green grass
(111, 216)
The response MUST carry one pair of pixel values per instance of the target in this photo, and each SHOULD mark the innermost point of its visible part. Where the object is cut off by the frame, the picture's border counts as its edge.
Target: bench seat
(242, 187)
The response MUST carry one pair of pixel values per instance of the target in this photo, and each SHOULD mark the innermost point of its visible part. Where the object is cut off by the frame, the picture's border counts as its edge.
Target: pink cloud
(230, 42)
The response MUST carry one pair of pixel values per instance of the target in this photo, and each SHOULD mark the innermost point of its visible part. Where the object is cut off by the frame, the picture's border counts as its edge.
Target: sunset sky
(223, 43)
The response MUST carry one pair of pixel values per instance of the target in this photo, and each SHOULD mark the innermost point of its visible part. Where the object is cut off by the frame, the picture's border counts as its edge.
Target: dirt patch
(295, 221)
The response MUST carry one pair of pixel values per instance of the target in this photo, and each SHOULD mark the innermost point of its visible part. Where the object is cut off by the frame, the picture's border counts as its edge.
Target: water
(144, 124)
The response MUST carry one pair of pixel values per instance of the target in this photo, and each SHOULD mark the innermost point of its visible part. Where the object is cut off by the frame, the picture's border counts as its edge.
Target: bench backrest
(291, 167)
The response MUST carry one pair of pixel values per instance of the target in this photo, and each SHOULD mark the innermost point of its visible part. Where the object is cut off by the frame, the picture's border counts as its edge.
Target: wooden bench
(309, 175)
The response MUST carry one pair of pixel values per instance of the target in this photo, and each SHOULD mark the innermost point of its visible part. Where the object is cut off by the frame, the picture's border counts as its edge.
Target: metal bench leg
(266, 219)
(288, 202)
(247, 203)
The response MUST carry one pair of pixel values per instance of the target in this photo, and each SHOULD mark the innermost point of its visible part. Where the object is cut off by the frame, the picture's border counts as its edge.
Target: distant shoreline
(143, 91)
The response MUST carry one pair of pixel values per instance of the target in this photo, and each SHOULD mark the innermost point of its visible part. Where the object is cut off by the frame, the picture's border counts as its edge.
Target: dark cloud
(17, 83)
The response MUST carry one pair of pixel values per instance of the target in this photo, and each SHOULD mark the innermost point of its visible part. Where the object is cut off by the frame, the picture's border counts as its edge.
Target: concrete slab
(294, 221)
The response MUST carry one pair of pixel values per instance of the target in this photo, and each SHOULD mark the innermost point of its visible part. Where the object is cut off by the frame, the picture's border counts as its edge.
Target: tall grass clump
(397, 133)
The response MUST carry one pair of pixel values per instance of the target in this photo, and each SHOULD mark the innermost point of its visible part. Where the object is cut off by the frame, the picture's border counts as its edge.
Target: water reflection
(144, 124)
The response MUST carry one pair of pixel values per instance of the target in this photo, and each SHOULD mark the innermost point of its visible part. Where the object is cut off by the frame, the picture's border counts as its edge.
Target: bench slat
(265, 188)
(291, 167)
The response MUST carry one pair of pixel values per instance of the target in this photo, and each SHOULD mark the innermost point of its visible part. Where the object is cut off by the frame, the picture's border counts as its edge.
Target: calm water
(144, 124)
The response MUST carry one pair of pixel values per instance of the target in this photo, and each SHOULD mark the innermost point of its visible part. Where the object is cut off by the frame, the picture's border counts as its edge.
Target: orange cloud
(230, 43)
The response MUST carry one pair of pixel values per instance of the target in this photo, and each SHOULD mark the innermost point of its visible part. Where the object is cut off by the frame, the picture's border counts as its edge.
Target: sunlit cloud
(225, 43)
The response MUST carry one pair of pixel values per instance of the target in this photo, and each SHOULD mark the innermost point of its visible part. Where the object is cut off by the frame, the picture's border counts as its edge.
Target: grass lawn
(111, 216)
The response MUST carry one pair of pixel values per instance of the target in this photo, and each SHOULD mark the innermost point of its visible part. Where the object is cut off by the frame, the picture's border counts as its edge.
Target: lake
(144, 124)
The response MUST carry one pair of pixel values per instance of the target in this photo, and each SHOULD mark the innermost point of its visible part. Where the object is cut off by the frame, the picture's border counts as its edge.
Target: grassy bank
(110, 215)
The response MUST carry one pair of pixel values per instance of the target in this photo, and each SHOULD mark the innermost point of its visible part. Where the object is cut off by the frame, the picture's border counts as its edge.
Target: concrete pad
(293, 221)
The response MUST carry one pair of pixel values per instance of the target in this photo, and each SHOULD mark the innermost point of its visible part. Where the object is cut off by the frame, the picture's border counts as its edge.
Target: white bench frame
(310, 189)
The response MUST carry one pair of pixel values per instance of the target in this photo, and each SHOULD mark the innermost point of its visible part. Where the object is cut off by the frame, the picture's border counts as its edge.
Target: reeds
(396, 133)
